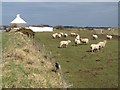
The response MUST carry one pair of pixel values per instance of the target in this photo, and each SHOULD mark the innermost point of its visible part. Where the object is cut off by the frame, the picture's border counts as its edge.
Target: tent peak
(18, 15)
(18, 19)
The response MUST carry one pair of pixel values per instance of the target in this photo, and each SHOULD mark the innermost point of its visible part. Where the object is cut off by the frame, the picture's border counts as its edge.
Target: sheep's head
(105, 41)
(69, 41)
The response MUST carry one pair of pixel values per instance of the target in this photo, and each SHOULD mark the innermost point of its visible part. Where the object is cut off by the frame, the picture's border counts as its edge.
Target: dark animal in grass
(57, 67)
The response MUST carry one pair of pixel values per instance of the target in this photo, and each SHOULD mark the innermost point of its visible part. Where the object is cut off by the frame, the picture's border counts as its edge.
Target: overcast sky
(62, 13)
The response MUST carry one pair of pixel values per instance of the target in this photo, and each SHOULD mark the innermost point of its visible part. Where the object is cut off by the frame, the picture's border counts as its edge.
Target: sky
(62, 13)
(60, 0)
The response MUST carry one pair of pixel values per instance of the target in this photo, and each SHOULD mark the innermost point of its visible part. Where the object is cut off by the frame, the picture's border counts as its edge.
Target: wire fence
(49, 56)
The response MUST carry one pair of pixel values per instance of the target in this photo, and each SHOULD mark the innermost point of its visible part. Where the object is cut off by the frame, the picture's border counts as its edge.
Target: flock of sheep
(78, 40)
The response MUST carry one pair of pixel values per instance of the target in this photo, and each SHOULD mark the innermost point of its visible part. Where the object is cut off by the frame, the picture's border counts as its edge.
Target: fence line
(48, 56)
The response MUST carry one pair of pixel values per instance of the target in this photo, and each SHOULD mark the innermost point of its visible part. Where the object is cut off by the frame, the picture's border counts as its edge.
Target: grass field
(25, 67)
(81, 68)
(5, 38)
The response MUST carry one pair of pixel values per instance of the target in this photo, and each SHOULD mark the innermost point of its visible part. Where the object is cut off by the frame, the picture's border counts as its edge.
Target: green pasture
(81, 68)
(4, 38)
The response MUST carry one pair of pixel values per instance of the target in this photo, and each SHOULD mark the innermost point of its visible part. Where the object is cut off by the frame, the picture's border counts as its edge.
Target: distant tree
(59, 27)
(45, 25)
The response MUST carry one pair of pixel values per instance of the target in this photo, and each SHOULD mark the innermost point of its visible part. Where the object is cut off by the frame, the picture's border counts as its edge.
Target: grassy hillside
(81, 68)
(0, 59)
(23, 66)
(4, 38)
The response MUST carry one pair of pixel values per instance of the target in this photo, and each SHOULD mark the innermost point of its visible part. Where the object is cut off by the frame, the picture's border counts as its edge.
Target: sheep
(73, 34)
(98, 46)
(95, 47)
(109, 37)
(54, 35)
(59, 35)
(65, 35)
(95, 36)
(109, 29)
(102, 44)
(77, 41)
(78, 36)
(64, 43)
(84, 40)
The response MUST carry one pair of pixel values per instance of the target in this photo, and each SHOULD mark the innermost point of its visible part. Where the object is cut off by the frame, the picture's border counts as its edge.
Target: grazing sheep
(54, 35)
(77, 41)
(78, 36)
(109, 29)
(73, 34)
(94, 47)
(84, 40)
(59, 35)
(65, 35)
(64, 43)
(109, 37)
(102, 44)
(95, 36)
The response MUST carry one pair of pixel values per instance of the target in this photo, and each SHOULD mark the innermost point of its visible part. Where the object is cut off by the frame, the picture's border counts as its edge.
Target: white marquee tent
(18, 20)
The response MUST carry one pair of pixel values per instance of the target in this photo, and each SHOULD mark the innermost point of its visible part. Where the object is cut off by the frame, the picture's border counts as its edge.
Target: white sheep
(77, 41)
(73, 34)
(94, 47)
(95, 36)
(64, 43)
(84, 40)
(77, 37)
(65, 35)
(109, 37)
(54, 35)
(102, 44)
(59, 35)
